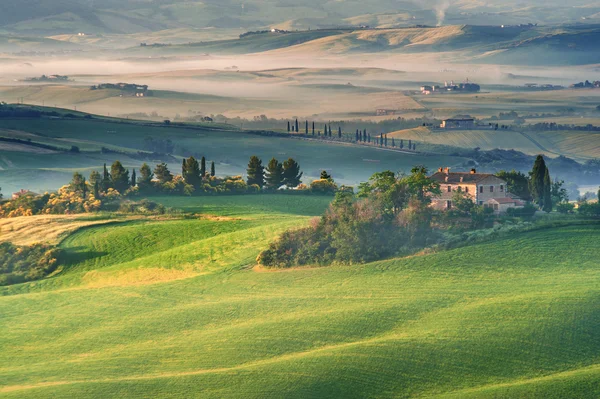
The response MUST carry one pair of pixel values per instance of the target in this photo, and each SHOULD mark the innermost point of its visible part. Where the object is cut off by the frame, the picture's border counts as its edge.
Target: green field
(229, 149)
(174, 308)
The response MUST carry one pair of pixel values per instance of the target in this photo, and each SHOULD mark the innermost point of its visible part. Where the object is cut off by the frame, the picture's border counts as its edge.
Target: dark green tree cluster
(390, 215)
(275, 175)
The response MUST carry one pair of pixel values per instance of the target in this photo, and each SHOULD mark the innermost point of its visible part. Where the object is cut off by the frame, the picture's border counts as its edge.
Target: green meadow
(176, 308)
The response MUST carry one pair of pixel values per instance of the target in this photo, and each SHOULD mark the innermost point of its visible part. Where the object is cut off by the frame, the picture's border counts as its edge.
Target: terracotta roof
(454, 177)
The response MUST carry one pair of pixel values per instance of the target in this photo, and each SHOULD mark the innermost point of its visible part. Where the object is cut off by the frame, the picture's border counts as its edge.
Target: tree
(191, 172)
(212, 169)
(162, 173)
(420, 186)
(291, 173)
(313, 128)
(537, 176)
(339, 132)
(393, 143)
(202, 167)
(289, 127)
(119, 176)
(558, 193)
(325, 175)
(95, 181)
(1, 196)
(296, 125)
(401, 144)
(329, 130)
(78, 184)
(133, 178)
(306, 128)
(385, 140)
(256, 172)
(106, 180)
(517, 183)
(274, 175)
(357, 136)
(547, 204)
(409, 144)
(146, 176)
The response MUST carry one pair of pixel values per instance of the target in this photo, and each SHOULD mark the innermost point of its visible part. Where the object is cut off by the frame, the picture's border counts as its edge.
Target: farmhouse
(484, 189)
(458, 123)
(21, 193)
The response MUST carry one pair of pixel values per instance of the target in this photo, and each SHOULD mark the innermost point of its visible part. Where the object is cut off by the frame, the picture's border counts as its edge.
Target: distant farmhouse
(133, 90)
(21, 193)
(458, 123)
(485, 190)
(586, 85)
(466, 87)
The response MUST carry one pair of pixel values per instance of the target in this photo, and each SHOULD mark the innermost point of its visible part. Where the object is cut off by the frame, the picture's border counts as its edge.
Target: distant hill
(134, 16)
(524, 44)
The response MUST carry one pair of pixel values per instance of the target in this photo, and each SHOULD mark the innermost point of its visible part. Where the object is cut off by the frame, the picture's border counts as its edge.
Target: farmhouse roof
(459, 177)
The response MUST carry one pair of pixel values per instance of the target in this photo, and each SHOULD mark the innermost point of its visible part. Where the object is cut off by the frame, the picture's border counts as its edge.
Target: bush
(565, 207)
(589, 209)
(323, 186)
(525, 212)
(19, 264)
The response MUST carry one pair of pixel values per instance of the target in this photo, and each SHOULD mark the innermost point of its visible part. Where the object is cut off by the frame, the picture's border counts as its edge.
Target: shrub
(19, 264)
(323, 186)
(525, 212)
(589, 209)
(565, 207)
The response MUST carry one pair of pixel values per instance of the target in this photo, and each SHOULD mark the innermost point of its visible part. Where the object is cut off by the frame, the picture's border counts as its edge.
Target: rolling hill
(176, 308)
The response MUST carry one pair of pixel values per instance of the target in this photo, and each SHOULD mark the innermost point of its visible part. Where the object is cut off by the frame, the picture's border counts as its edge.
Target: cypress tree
(381, 140)
(357, 138)
(95, 181)
(393, 142)
(386, 140)
(369, 138)
(401, 144)
(537, 175)
(329, 130)
(274, 175)
(313, 128)
(133, 178)
(119, 177)
(547, 207)
(325, 131)
(339, 132)
(202, 167)
(409, 144)
(106, 181)
(414, 147)
(306, 128)
(212, 169)
(289, 127)
(365, 136)
(256, 172)
(297, 130)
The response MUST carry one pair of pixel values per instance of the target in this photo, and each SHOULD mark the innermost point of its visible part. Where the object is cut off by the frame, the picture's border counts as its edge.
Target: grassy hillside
(174, 308)
(574, 144)
(229, 149)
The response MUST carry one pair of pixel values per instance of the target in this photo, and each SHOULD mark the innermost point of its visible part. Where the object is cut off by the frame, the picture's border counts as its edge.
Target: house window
(501, 188)
(459, 189)
(491, 189)
(448, 204)
(466, 189)
(449, 189)
(481, 189)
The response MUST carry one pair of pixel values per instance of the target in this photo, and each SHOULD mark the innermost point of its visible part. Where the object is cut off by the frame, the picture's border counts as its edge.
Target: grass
(173, 308)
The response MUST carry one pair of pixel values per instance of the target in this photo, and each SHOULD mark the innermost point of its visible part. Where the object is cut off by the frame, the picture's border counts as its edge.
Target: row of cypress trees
(193, 172)
(361, 135)
(275, 175)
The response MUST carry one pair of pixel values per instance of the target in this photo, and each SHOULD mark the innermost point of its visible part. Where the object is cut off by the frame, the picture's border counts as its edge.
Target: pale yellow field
(28, 230)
